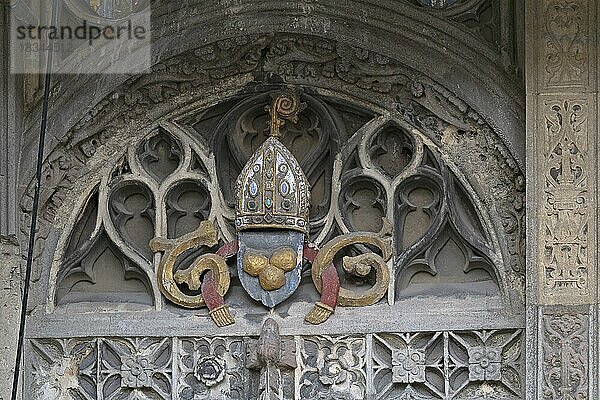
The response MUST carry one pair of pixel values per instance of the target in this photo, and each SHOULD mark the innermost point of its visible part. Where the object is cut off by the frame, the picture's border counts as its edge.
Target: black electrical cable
(34, 211)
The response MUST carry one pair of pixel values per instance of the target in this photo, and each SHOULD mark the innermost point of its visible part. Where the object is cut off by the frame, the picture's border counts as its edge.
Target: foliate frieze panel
(135, 367)
(563, 347)
(63, 369)
(418, 365)
(566, 179)
(565, 44)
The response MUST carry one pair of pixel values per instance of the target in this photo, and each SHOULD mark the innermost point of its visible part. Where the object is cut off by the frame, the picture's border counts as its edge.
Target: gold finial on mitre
(272, 190)
(285, 107)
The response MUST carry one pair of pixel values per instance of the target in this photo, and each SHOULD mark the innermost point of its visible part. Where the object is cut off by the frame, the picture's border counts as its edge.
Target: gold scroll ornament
(360, 265)
(205, 235)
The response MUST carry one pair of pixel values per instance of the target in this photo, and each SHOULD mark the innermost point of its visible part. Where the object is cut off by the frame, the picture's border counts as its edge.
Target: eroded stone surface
(10, 302)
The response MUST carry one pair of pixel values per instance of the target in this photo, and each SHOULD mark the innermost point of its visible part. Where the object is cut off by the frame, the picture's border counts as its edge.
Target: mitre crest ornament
(272, 225)
(272, 214)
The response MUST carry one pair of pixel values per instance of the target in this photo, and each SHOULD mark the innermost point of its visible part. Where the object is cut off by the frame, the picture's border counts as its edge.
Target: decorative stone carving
(133, 366)
(332, 368)
(433, 214)
(565, 223)
(564, 347)
(566, 47)
(275, 358)
(485, 363)
(211, 368)
(133, 104)
(63, 369)
(434, 142)
(136, 372)
(417, 365)
(482, 18)
(409, 365)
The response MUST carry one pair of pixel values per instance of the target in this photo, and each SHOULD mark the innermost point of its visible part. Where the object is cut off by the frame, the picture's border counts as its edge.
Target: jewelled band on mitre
(272, 190)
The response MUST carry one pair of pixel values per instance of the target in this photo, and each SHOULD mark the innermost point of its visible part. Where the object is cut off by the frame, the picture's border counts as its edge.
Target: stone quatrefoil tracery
(362, 169)
(444, 365)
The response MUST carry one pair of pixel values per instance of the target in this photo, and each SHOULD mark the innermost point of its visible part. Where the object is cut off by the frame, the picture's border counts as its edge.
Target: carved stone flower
(408, 365)
(334, 370)
(206, 53)
(136, 372)
(485, 363)
(417, 89)
(210, 370)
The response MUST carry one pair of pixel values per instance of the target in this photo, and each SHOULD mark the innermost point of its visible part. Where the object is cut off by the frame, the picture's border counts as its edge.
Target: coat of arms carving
(272, 249)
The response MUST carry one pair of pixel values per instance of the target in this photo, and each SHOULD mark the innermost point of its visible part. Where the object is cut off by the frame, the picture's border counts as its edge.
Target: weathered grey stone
(440, 82)
(10, 307)
(9, 134)
(562, 169)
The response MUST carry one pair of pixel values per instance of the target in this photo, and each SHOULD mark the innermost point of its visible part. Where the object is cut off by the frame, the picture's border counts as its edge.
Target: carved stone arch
(451, 132)
(469, 69)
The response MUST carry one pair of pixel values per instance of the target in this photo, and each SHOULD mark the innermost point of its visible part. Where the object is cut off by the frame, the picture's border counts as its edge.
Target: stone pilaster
(8, 132)
(10, 301)
(562, 198)
(10, 260)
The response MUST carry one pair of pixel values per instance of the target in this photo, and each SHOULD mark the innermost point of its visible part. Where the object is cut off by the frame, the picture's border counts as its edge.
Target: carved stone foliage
(565, 222)
(135, 368)
(63, 369)
(564, 347)
(333, 368)
(361, 170)
(212, 368)
(566, 46)
(418, 365)
(448, 365)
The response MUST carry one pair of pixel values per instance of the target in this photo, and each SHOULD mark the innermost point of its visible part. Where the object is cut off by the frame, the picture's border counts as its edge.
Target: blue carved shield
(269, 263)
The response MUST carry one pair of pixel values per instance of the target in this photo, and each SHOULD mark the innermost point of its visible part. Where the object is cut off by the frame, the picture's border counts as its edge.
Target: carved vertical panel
(566, 224)
(562, 159)
(564, 346)
(565, 46)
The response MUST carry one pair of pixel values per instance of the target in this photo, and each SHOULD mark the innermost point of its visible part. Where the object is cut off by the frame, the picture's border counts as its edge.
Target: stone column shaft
(562, 197)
